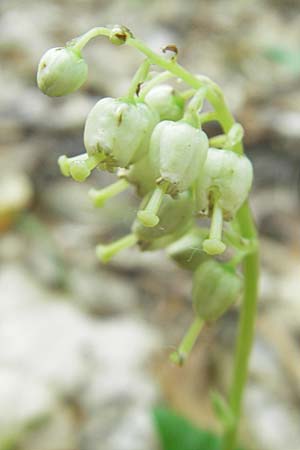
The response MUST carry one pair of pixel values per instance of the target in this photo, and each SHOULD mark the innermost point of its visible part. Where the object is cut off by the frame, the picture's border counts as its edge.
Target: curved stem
(197, 101)
(80, 42)
(195, 105)
(207, 117)
(234, 136)
(160, 78)
(100, 196)
(138, 78)
(214, 93)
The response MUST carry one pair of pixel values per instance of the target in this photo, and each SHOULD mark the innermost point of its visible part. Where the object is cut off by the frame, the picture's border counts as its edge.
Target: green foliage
(177, 433)
(222, 410)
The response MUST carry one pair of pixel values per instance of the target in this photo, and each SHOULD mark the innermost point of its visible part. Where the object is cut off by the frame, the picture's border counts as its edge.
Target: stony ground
(84, 348)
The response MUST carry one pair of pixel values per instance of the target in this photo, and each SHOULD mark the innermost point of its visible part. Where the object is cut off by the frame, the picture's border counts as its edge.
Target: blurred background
(84, 347)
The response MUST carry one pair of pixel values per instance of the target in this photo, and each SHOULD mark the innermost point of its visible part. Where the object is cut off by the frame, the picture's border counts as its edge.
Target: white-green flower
(177, 152)
(166, 101)
(227, 177)
(61, 71)
(222, 188)
(119, 130)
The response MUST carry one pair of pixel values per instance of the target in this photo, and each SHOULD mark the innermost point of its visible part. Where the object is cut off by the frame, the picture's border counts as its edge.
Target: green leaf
(222, 410)
(177, 433)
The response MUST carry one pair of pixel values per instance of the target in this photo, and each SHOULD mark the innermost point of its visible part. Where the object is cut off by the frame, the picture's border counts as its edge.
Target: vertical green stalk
(246, 328)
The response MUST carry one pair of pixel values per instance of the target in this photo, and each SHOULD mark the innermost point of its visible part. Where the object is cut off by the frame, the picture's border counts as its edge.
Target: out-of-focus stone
(272, 421)
(101, 292)
(16, 193)
(25, 401)
(64, 354)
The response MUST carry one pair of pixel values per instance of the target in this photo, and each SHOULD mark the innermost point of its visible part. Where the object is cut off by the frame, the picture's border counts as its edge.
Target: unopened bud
(119, 130)
(119, 35)
(61, 71)
(215, 288)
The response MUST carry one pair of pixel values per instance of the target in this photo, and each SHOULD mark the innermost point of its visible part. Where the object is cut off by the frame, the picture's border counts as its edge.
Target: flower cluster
(152, 139)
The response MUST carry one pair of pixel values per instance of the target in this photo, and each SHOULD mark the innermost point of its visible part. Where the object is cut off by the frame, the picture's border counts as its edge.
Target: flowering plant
(152, 138)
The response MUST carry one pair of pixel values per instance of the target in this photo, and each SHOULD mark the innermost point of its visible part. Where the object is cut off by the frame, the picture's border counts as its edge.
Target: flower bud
(215, 288)
(228, 176)
(61, 71)
(119, 130)
(177, 152)
(175, 216)
(119, 34)
(187, 251)
(166, 101)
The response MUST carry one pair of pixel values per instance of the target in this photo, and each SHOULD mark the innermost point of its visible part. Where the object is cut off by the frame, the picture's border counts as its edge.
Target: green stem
(186, 95)
(218, 141)
(99, 196)
(236, 259)
(80, 42)
(197, 101)
(207, 117)
(179, 356)
(214, 93)
(191, 114)
(234, 136)
(139, 77)
(106, 252)
(246, 327)
(160, 78)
